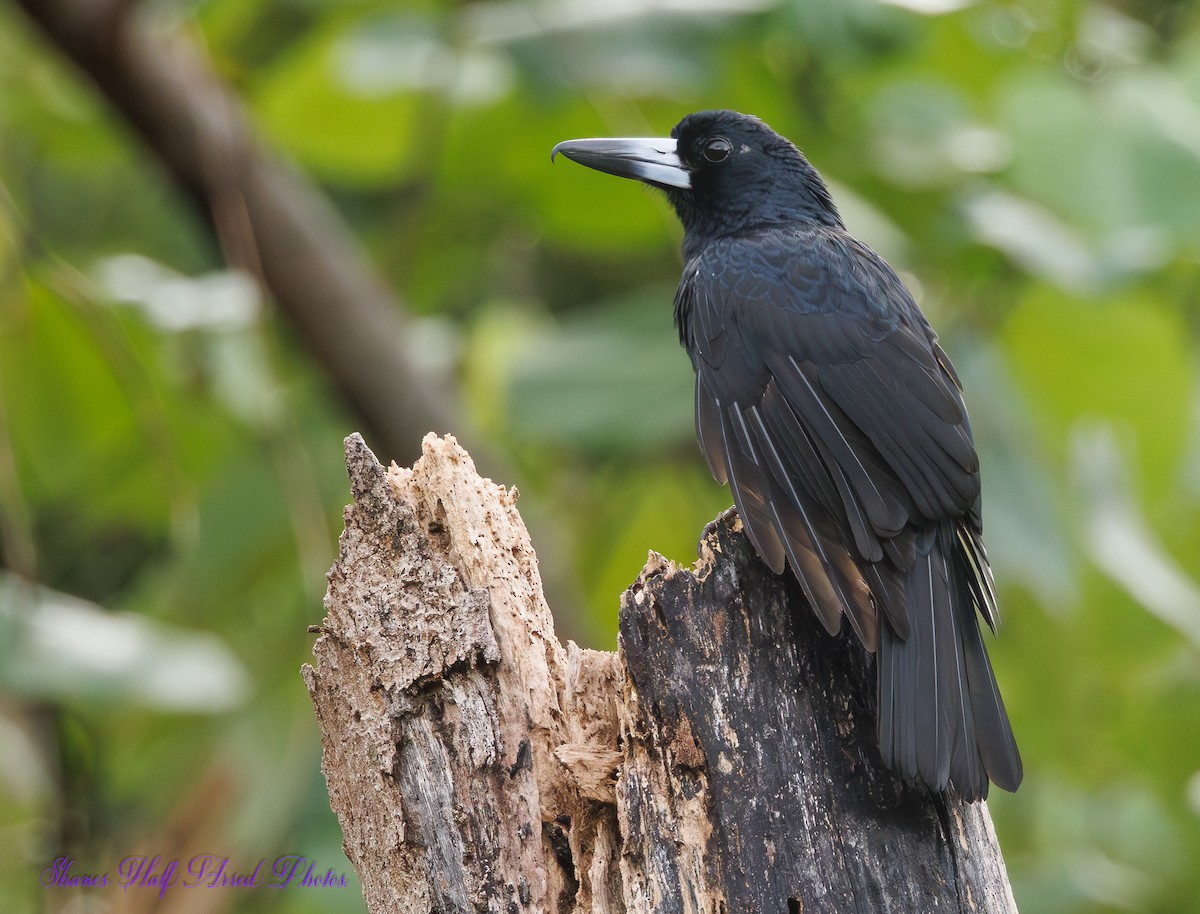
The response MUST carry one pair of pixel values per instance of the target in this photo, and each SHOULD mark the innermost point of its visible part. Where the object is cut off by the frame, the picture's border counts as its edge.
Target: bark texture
(723, 760)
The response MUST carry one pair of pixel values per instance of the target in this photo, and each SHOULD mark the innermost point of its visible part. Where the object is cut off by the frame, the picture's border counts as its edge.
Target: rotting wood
(723, 760)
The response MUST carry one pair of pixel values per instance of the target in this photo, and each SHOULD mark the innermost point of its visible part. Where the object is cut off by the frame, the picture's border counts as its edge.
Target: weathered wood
(723, 761)
(752, 742)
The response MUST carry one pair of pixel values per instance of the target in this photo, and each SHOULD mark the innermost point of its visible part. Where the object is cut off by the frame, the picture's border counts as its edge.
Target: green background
(171, 476)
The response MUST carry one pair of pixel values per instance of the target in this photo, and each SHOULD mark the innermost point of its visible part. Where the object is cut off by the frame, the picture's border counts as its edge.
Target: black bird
(825, 401)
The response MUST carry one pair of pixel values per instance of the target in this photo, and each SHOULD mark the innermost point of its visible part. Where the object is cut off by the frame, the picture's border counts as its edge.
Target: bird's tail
(941, 718)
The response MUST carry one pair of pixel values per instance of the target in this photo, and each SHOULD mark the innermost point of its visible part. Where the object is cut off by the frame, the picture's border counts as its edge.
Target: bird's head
(722, 171)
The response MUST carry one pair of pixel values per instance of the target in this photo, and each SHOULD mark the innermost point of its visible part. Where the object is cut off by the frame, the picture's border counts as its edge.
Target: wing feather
(843, 445)
(838, 584)
(708, 431)
(746, 481)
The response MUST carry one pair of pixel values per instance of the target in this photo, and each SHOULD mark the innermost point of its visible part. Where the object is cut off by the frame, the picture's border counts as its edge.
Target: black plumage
(826, 403)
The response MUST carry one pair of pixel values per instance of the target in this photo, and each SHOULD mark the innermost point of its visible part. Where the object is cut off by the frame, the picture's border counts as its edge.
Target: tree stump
(723, 760)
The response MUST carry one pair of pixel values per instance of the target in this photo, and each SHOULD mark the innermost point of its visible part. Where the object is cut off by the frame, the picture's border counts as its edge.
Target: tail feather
(941, 718)
(994, 737)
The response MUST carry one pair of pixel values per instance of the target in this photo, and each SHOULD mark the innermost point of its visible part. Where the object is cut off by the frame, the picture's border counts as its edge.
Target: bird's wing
(823, 399)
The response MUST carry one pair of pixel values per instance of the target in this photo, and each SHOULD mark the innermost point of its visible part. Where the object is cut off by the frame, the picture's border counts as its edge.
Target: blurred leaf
(1023, 511)
(1111, 849)
(923, 135)
(317, 96)
(63, 393)
(502, 154)
(1124, 360)
(663, 508)
(1120, 539)
(59, 648)
(1110, 158)
(173, 301)
(610, 377)
(1038, 241)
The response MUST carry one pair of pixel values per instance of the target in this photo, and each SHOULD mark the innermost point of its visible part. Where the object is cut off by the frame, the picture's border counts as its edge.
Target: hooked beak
(651, 160)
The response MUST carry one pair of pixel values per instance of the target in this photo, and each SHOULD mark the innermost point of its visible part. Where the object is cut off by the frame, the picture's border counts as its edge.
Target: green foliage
(170, 455)
(1144, 385)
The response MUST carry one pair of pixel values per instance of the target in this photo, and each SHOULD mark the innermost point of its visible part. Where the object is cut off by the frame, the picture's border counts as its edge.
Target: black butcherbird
(825, 401)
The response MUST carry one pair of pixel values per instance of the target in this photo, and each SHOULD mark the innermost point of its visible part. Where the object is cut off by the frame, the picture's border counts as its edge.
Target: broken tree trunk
(723, 760)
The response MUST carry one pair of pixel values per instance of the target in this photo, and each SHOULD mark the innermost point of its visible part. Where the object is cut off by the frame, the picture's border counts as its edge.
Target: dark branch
(267, 218)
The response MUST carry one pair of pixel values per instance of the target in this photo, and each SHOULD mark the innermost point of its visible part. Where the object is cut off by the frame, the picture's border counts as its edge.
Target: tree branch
(273, 223)
(268, 219)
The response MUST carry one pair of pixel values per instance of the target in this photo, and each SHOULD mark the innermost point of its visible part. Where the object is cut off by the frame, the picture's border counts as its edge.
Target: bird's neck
(706, 218)
(702, 229)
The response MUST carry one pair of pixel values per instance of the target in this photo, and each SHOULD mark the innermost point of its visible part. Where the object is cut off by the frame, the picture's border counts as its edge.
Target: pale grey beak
(651, 160)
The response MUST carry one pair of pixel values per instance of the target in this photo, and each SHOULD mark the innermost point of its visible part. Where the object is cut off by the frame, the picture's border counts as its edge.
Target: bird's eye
(717, 149)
